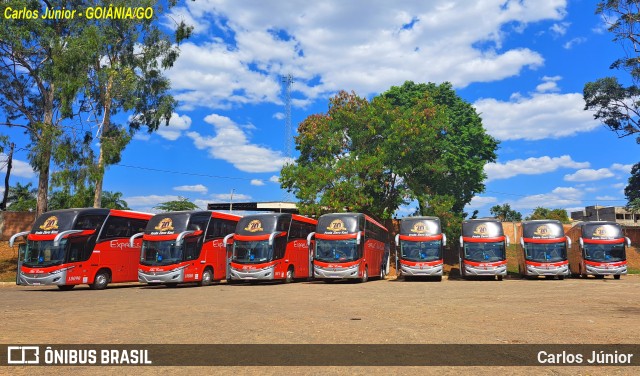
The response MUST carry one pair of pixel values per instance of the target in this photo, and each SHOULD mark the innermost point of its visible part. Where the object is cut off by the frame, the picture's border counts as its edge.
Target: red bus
(350, 246)
(271, 247)
(600, 251)
(81, 246)
(543, 250)
(421, 244)
(483, 248)
(185, 246)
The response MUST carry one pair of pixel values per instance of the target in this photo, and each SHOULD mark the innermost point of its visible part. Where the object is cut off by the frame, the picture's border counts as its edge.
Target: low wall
(14, 222)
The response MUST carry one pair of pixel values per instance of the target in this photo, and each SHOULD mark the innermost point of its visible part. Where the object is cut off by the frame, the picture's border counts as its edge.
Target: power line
(182, 172)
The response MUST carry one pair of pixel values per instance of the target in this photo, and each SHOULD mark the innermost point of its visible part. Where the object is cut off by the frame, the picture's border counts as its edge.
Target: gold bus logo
(337, 225)
(481, 230)
(166, 224)
(543, 230)
(601, 231)
(254, 226)
(420, 228)
(50, 223)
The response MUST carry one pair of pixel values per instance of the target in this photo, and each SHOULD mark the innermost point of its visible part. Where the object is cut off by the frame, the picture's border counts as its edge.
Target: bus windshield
(421, 251)
(156, 253)
(252, 252)
(336, 250)
(545, 252)
(484, 252)
(40, 254)
(604, 252)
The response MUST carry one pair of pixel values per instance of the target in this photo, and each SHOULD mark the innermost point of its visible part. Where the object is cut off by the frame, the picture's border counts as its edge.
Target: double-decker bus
(184, 247)
(350, 246)
(271, 246)
(421, 244)
(600, 250)
(483, 248)
(81, 246)
(543, 249)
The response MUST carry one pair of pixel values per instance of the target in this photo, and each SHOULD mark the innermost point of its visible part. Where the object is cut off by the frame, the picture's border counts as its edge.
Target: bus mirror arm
(397, 240)
(13, 238)
(56, 240)
(444, 240)
(311, 235)
(508, 241)
(133, 237)
(181, 236)
(358, 237)
(272, 236)
(522, 242)
(628, 241)
(568, 241)
(225, 241)
(581, 243)
(461, 241)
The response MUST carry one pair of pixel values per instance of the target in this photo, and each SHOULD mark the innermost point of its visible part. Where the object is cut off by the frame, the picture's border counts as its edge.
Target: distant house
(616, 214)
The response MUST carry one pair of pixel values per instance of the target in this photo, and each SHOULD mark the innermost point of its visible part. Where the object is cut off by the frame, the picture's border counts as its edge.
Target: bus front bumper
(488, 270)
(594, 270)
(58, 277)
(425, 271)
(552, 270)
(264, 274)
(337, 273)
(172, 276)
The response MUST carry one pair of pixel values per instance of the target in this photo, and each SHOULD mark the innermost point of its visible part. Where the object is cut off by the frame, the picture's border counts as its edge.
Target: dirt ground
(514, 311)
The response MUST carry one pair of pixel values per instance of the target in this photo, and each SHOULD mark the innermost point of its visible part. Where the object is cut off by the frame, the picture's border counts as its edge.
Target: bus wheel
(290, 275)
(66, 287)
(499, 277)
(560, 277)
(100, 281)
(382, 273)
(173, 284)
(599, 276)
(617, 276)
(207, 277)
(365, 275)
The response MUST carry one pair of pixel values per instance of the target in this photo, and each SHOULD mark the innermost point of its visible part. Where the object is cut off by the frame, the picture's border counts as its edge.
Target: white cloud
(589, 174)
(279, 116)
(355, 45)
(177, 124)
(146, 203)
(560, 28)
(274, 179)
(191, 188)
(543, 115)
(561, 197)
(478, 202)
(608, 198)
(620, 167)
(530, 166)
(549, 84)
(573, 42)
(18, 167)
(257, 182)
(231, 144)
(227, 197)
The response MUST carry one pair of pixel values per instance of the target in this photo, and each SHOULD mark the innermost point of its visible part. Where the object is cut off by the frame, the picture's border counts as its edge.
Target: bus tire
(172, 284)
(207, 277)
(599, 276)
(291, 275)
(560, 277)
(499, 277)
(101, 280)
(365, 275)
(66, 287)
(382, 273)
(616, 276)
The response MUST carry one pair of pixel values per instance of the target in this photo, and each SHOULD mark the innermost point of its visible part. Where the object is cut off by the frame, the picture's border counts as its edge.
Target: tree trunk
(106, 123)
(3, 206)
(44, 161)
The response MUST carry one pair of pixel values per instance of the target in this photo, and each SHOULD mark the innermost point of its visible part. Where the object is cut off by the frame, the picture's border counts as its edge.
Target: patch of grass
(633, 270)
(8, 268)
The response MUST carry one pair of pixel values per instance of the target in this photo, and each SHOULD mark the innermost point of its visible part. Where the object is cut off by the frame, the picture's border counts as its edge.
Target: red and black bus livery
(421, 247)
(271, 246)
(185, 246)
(483, 248)
(543, 249)
(601, 250)
(81, 246)
(350, 246)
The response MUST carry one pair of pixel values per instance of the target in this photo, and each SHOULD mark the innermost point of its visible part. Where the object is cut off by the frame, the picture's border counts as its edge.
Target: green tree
(22, 198)
(545, 213)
(83, 198)
(632, 191)
(182, 203)
(504, 213)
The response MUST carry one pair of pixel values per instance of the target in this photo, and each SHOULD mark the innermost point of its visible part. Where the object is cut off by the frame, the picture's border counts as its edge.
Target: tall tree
(504, 213)
(617, 104)
(182, 203)
(632, 191)
(546, 213)
(38, 80)
(126, 75)
(22, 198)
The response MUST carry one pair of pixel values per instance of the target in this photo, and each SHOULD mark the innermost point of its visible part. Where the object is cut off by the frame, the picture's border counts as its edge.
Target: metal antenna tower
(288, 133)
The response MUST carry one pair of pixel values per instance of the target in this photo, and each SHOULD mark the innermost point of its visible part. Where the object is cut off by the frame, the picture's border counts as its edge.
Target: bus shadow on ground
(50, 288)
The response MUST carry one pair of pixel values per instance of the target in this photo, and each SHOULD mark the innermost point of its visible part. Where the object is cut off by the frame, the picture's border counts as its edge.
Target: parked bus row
(101, 246)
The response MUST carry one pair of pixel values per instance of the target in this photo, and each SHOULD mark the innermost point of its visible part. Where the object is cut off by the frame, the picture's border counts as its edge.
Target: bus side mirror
(14, 237)
(508, 241)
(397, 240)
(225, 241)
(133, 238)
(358, 237)
(628, 242)
(181, 236)
(581, 243)
(311, 235)
(461, 242)
(56, 240)
(568, 241)
(444, 240)
(522, 242)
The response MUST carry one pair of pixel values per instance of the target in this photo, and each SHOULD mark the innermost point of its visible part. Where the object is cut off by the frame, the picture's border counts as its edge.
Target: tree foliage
(545, 213)
(83, 198)
(632, 191)
(412, 142)
(614, 103)
(504, 213)
(182, 203)
(22, 198)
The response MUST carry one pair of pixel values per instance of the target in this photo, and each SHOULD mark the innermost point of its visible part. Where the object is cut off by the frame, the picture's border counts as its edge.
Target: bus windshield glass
(484, 252)
(40, 254)
(252, 252)
(545, 252)
(604, 252)
(421, 251)
(336, 250)
(156, 253)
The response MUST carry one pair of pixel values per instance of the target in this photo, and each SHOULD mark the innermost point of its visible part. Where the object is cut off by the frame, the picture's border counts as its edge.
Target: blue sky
(522, 64)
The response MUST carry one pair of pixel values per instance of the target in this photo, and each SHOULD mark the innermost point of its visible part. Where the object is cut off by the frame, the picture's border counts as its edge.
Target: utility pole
(3, 205)
(288, 133)
(231, 202)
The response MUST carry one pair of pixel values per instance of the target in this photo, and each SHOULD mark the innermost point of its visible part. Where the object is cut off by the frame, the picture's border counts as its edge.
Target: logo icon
(23, 355)
(337, 225)
(50, 223)
(420, 228)
(481, 230)
(254, 226)
(601, 231)
(165, 225)
(543, 231)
